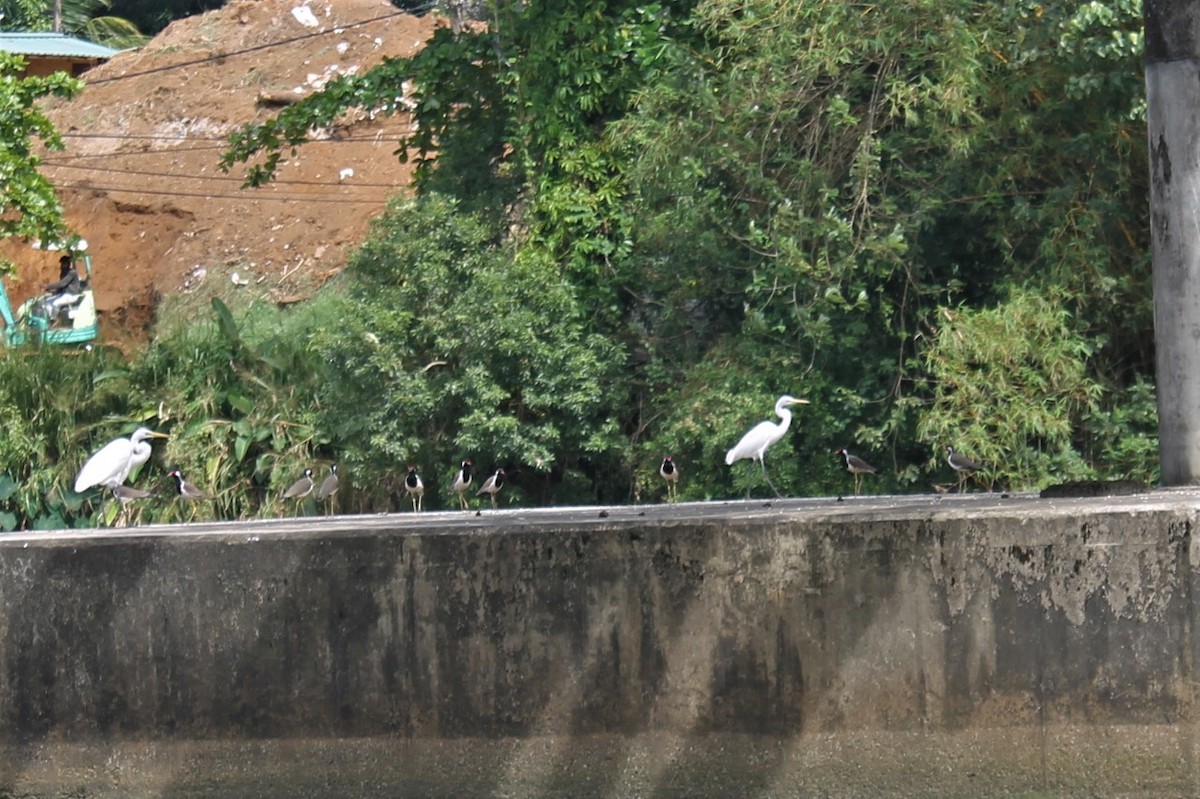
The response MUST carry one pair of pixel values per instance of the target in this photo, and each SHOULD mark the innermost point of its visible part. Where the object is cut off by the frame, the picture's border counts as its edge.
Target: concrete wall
(965, 646)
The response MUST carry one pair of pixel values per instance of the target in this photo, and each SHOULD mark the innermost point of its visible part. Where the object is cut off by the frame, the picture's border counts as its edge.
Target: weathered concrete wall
(971, 645)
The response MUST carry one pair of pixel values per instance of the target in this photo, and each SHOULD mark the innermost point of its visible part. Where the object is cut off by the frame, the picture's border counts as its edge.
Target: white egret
(493, 486)
(670, 473)
(962, 465)
(856, 466)
(414, 487)
(754, 444)
(111, 465)
(462, 481)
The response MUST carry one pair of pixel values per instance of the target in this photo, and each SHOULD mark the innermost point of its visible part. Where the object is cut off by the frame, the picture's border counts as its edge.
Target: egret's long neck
(786, 415)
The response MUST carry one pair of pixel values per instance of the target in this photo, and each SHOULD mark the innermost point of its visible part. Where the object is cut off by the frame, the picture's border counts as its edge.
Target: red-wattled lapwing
(113, 462)
(186, 490)
(462, 481)
(754, 444)
(962, 465)
(670, 473)
(415, 488)
(493, 485)
(856, 466)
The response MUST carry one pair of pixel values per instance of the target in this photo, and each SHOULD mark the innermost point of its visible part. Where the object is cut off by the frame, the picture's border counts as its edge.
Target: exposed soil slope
(140, 180)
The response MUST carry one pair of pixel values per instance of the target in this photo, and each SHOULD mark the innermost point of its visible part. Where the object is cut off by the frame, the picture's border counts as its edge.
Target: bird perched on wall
(670, 473)
(331, 483)
(962, 465)
(301, 488)
(462, 482)
(113, 462)
(329, 487)
(414, 487)
(127, 494)
(762, 436)
(856, 466)
(186, 490)
(492, 486)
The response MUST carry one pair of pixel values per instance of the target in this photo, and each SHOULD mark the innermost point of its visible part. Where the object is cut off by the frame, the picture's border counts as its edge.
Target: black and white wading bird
(415, 488)
(462, 481)
(754, 444)
(856, 466)
(127, 494)
(670, 473)
(963, 466)
(113, 462)
(330, 485)
(492, 486)
(186, 490)
(301, 488)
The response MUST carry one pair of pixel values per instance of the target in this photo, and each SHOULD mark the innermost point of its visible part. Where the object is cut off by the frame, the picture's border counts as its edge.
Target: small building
(46, 53)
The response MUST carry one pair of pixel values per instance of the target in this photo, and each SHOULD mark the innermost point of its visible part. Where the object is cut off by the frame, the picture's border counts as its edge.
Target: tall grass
(54, 404)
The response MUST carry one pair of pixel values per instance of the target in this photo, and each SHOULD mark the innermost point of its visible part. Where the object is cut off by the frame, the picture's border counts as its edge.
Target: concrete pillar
(1173, 99)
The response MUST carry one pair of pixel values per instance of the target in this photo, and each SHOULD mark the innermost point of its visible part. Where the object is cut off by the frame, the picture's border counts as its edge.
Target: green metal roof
(52, 44)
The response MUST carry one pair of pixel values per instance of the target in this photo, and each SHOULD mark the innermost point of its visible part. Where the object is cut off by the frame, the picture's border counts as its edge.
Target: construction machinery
(33, 322)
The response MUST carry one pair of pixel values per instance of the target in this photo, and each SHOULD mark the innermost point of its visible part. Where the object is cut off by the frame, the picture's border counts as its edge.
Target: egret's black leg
(763, 461)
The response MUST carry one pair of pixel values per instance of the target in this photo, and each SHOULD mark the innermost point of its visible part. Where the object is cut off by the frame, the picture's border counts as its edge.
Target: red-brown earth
(140, 180)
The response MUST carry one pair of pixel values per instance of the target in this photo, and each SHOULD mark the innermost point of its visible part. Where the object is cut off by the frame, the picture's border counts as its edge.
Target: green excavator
(33, 322)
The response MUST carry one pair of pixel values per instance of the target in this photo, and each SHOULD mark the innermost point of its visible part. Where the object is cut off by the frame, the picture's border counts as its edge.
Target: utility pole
(1172, 97)
(57, 16)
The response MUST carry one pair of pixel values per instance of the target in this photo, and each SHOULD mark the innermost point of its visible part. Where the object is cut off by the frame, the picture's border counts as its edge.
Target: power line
(254, 49)
(220, 178)
(130, 153)
(186, 137)
(301, 198)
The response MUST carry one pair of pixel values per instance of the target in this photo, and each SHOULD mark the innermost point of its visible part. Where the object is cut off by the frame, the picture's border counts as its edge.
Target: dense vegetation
(89, 19)
(636, 224)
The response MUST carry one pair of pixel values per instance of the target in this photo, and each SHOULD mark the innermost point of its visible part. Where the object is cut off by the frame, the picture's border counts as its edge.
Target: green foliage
(780, 197)
(732, 390)
(817, 177)
(29, 207)
(451, 348)
(1123, 435)
(1057, 180)
(84, 18)
(637, 225)
(50, 407)
(24, 15)
(1011, 388)
(152, 16)
(237, 396)
(511, 116)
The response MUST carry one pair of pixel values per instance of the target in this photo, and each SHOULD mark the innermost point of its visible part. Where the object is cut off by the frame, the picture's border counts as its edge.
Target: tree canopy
(760, 197)
(85, 18)
(29, 207)
(636, 224)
